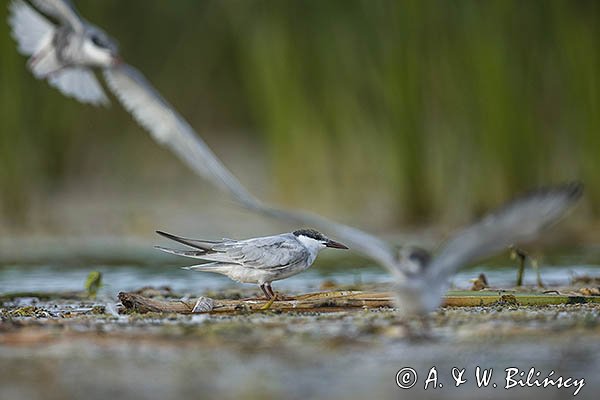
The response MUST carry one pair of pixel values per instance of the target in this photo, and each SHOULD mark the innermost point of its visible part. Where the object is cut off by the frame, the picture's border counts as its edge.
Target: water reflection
(15, 278)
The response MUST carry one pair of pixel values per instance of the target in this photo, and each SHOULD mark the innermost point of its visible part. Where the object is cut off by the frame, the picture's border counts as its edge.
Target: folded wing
(158, 117)
(272, 252)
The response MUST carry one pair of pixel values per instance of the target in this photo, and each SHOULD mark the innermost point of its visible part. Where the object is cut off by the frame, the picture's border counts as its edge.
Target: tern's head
(313, 239)
(413, 259)
(99, 49)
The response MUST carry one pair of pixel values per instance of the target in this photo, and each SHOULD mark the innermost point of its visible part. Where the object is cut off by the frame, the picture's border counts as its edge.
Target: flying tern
(67, 53)
(64, 53)
(423, 279)
(259, 260)
(32, 32)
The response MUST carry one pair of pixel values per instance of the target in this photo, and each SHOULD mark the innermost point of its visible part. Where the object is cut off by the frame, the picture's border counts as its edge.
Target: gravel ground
(74, 350)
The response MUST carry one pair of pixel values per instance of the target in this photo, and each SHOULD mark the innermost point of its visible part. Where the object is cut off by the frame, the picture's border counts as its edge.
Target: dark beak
(117, 60)
(335, 245)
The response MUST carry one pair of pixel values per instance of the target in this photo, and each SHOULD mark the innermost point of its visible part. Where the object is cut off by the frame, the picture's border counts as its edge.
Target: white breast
(313, 246)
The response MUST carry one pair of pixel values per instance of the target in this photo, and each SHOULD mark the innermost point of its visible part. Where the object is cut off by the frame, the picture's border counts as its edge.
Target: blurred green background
(382, 113)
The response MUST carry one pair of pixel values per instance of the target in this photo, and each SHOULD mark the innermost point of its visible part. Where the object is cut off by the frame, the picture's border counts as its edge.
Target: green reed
(442, 108)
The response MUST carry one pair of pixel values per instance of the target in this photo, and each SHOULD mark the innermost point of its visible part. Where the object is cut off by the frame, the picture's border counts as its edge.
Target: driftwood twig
(339, 301)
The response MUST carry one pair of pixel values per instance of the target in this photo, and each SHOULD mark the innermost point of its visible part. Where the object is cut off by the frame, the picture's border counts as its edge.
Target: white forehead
(96, 55)
(310, 242)
(413, 259)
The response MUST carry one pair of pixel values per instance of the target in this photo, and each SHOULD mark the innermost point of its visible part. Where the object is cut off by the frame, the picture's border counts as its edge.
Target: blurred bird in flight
(157, 116)
(63, 54)
(423, 279)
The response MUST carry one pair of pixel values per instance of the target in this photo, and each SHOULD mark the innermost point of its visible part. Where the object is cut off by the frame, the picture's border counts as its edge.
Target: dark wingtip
(169, 236)
(571, 190)
(574, 189)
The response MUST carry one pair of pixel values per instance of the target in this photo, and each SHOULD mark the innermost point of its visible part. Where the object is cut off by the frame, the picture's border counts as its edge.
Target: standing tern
(164, 123)
(519, 221)
(259, 260)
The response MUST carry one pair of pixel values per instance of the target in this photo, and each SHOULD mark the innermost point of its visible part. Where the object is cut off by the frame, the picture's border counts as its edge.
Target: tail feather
(208, 267)
(185, 253)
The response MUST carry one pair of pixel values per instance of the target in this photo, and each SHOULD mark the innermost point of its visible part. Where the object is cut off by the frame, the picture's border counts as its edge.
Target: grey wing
(63, 10)
(29, 28)
(80, 83)
(168, 128)
(519, 221)
(271, 252)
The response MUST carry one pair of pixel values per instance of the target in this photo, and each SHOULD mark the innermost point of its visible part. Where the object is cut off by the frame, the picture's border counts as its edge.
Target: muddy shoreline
(85, 348)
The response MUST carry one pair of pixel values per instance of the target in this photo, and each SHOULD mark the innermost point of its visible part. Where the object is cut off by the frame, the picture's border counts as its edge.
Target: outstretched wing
(80, 83)
(62, 10)
(518, 221)
(157, 116)
(29, 28)
(168, 128)
(33, 33)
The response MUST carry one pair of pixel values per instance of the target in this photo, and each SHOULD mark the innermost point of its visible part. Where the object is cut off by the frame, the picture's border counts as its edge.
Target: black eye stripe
(311, 233)
(98, 42)
(419, 255)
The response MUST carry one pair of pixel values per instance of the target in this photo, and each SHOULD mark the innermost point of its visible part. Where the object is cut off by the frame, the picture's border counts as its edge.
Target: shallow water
(116, 278)
(351, 355)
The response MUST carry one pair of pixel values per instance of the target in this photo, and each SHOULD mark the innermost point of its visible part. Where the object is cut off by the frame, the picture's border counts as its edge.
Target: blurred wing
(518, 221)
(167, 126)
(356, 239)
(271, 252)
(63, 10)
(170, 129)
(29, 28)
(80, 83)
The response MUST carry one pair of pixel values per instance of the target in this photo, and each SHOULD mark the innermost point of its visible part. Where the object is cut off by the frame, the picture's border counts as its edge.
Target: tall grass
(440, 107)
